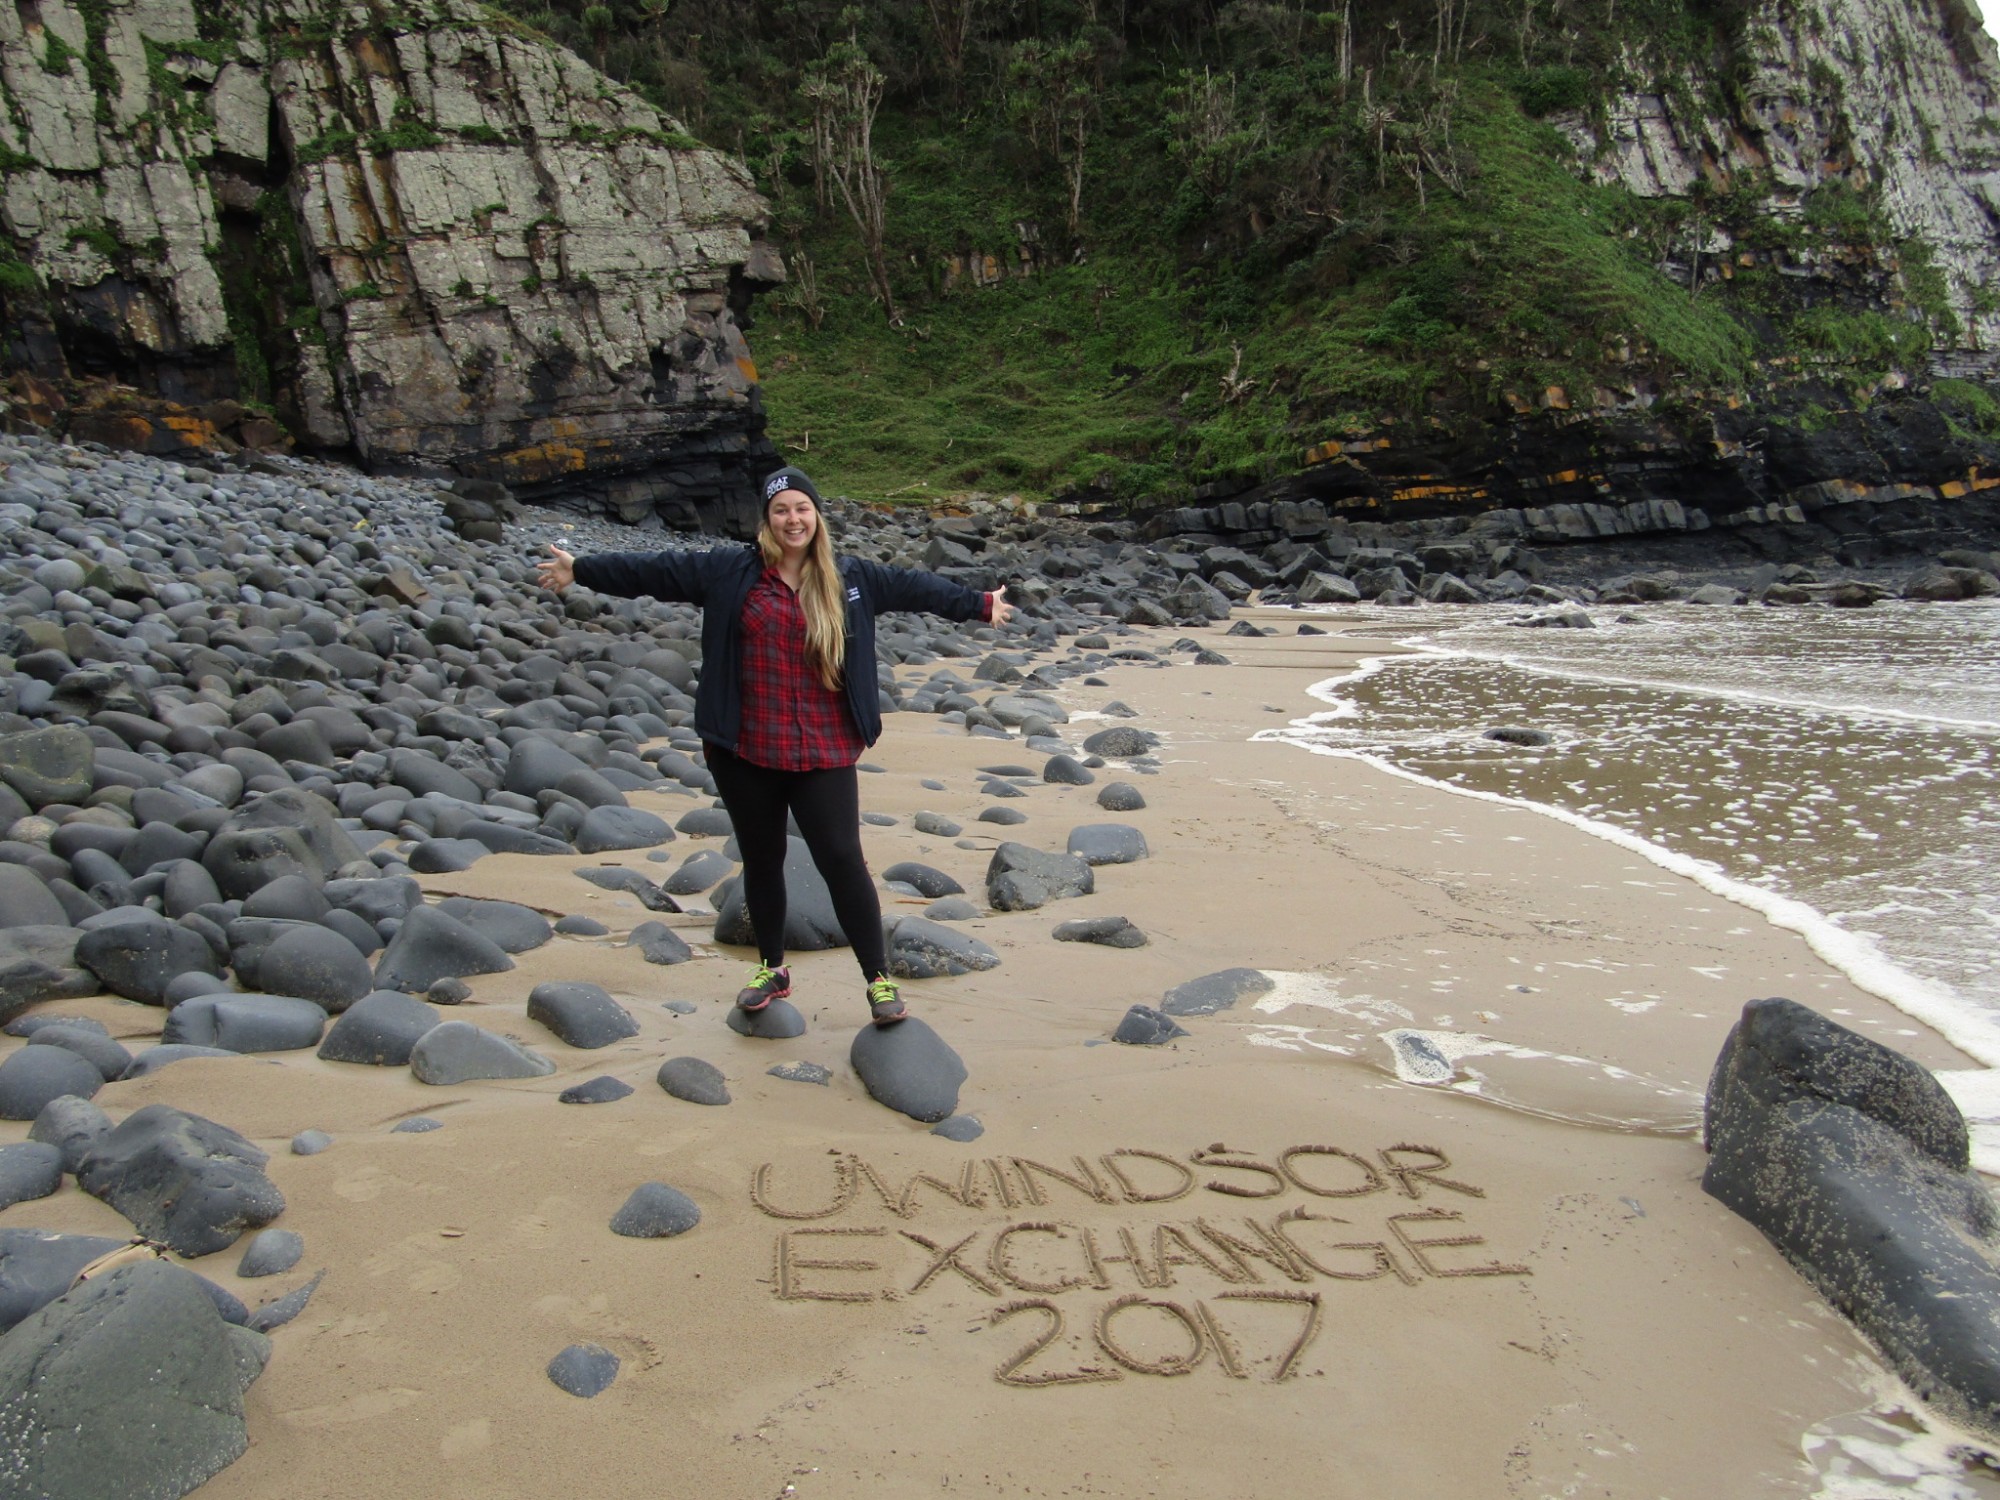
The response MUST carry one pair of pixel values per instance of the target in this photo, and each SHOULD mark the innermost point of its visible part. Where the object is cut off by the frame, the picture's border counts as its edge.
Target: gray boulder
(1020, 878)
(810, 924)
(137, 959)
(697, 873)
(779, 1021)
(271, 1252)
(130, 1385)
(1213, 992)
(33, 1076)
(71, 1125)
(459, 1052)
(379, 1029)
(26, 900)
(430, 946)
(1067, 770)
(909, 1068)
(317, 964)
(922, 879)
(609, 828)
(655, 1212)
(659, 944)
(604, 1089)
(152, 1059)
(245, 1023)
(48, 765)
(923, 949)
(1142, 1026)
(696, 1081)
(1122, 741)
(285, 832)
(186, 1181)
(1108, 843)
(89, 1043)
(1854, 1162)
(29, 1170)
(1120, 796)
(582, 1014)
(1108, 932)
(514, 927)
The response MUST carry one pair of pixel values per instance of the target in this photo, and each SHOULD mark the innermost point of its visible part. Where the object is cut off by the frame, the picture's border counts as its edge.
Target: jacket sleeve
(912, 589)
(679, 577)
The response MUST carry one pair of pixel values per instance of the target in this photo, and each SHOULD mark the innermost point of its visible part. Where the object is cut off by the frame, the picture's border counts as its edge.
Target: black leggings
(827, 807)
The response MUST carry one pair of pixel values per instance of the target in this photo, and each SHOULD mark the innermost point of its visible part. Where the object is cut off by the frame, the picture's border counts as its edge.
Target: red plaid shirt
(791, 720)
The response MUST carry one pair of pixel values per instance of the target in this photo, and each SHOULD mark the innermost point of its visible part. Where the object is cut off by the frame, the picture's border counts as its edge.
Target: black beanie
(789, 478)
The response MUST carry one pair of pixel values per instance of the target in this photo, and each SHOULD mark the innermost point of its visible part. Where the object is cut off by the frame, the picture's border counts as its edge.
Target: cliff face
(1894, 98)
(423, 235)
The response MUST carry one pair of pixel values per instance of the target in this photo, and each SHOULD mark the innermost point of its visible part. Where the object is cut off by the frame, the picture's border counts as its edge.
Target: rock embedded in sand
(1067, 770)
(317, 964)
(1855, 1163)
(416, 1125)
(801, 1072)
(277, 1314)
(696, 873)
(1122, 741)
(959, 1128)
(1218, 991)
(1142, 1026)
(603, 1089)
(245, 1023)
(610, 828)
(459, 1052)
(513, 927)
(909, 1068)
(935, 824)
(1108, 843)
(35, 1075)
(705, 822)
(109, 1057)
(310, 1142)
(922, 879)
(779, 1021)
(584, 1370)
(810, 923)
(923, 949)
(29, 1170)
(132, 1383)
(379, 1030)
(136, 959)
(1005, 816)
(952, 909)
(430, 946)
(183, 1180)
(656, 1212)
(1120, 796)
(582, 1014)
(152, 1059)
(1109, 932)
(581, 927)
(1020, 878)
(659, 944)
(695, 1080)
(271, 1252)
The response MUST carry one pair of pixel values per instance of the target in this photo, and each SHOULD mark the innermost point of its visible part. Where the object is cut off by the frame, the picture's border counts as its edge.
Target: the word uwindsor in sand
(1049, 1258)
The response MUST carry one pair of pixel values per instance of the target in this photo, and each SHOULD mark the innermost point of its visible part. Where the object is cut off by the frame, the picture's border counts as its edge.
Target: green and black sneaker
(885, 1004)
(766, 985)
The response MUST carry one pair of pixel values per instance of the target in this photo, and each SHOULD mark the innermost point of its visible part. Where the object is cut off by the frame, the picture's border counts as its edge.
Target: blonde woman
(787, 702)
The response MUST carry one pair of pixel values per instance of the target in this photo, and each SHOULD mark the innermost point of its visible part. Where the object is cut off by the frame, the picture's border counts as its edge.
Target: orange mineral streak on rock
(749, 368)
(542, 461)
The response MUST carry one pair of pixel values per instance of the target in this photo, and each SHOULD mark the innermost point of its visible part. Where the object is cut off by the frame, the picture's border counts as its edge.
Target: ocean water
(1838, 770)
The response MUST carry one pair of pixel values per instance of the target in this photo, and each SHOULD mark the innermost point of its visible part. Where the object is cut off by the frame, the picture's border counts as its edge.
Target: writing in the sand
(1260, 1271)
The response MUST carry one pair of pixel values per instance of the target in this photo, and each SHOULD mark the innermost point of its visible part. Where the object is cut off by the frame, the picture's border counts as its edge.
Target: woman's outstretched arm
(676, 577)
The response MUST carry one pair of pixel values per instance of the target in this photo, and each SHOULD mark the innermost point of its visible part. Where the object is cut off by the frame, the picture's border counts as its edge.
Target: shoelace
(764, 975)
(880, 990)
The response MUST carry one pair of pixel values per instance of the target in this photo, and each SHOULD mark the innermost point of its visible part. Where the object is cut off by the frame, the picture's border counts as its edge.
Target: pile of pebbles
(242, 708)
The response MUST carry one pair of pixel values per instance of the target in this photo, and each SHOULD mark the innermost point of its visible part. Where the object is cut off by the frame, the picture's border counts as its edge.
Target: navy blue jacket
(720, 581)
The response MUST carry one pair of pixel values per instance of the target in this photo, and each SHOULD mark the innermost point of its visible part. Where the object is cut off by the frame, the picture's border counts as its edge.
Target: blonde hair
(820, 595)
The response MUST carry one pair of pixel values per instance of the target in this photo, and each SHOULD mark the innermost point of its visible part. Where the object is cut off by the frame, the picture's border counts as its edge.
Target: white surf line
(1973, 1031)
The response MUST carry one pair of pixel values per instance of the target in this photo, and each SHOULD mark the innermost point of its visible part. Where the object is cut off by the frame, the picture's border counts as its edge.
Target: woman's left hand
(1002, 610)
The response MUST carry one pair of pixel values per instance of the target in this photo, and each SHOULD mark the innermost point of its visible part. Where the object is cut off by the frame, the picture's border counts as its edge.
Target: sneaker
(885, 1004)
(766, 985)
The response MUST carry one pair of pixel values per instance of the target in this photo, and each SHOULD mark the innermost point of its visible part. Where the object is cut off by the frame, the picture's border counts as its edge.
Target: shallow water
(1844, 761)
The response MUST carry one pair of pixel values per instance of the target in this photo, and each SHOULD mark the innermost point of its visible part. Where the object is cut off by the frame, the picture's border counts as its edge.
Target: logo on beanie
(782, 480)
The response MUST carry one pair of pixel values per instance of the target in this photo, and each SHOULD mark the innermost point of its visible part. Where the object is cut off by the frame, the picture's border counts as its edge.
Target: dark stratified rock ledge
(1855, 1163)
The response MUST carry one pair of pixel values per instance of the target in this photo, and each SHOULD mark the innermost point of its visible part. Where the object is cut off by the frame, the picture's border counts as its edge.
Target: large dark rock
(38, 1265)
(779, 1021)
(89, 1043)
(185, 1181)
(379, 1029)
(284, 832)
(1213, 992)
(922, 879)
(29, 1170)
(1122, 741)
(1142, 1026)
(659, 944)
(26, 900)
(131, 1385)
(430, 946)
(697, 873)
(72, 1126)
(516, 928)
(656, 1212)
(1107, 843)
(137, 959)
(908, 1067)
(1854, 1162)
(48, 765)
(810, 924)
(317, 964)
(1020, 878)
(582, 1014)
(922, 949)
(36, 1074)
(609, 828)
(39, 964)
(1108, 932)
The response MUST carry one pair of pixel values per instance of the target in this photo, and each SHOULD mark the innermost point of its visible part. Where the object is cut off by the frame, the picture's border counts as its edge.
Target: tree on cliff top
(844, 91)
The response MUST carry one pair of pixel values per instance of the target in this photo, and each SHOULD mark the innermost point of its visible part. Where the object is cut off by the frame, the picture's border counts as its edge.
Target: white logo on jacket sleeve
(854, 596)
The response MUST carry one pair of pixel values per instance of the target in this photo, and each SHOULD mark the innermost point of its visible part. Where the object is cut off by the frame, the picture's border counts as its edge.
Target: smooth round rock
(952, 909)
(459, 1052)
(581, 927)
(697, 873)
(514, 927)
(379, 1030)
(1218, 991)
(1120, 796)
(909, 1068)
(959, 1128)
(431, 945)
(609, 828)
(695, 1080)
(315, 963)
(774, 1023)
(271, 1252)
(106, 1055)
(603, 1089)
(72, 1126)
(582, 1014)
(1007, 817)
(1122, 741)
(584, 1370)
(655, 1212)
(659, 944)
(924, 880)
(137, 959)
(937, 825)
(801, 1072)
(1067, 770)
(416, 1125)
(29, 1170)
(246, 1023)
(1108, 843)
(310, 1142)
(705, 822)
(37, 1074)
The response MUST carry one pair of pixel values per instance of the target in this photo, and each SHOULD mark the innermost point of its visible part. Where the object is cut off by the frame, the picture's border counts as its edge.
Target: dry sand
(1557, 1311)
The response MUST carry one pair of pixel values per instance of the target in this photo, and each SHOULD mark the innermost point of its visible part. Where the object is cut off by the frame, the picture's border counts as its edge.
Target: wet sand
(1364, 1288)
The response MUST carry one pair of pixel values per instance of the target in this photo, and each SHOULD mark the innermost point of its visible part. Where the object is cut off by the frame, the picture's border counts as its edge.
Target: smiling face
(793, 519)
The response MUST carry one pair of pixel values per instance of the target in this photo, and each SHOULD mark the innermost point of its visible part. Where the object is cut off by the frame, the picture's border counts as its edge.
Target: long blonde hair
(821, 595)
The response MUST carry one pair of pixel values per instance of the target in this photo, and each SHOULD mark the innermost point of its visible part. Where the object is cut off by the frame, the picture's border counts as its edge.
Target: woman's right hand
(557, 571)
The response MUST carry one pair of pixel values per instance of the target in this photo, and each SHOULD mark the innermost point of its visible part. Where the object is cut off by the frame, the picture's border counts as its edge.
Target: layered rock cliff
(422, 234)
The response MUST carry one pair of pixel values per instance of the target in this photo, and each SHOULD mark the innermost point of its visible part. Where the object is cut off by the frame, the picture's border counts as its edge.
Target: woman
(787, 703)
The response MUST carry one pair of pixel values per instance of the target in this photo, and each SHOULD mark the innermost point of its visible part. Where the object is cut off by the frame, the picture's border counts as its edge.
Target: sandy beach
(1253, 1262)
